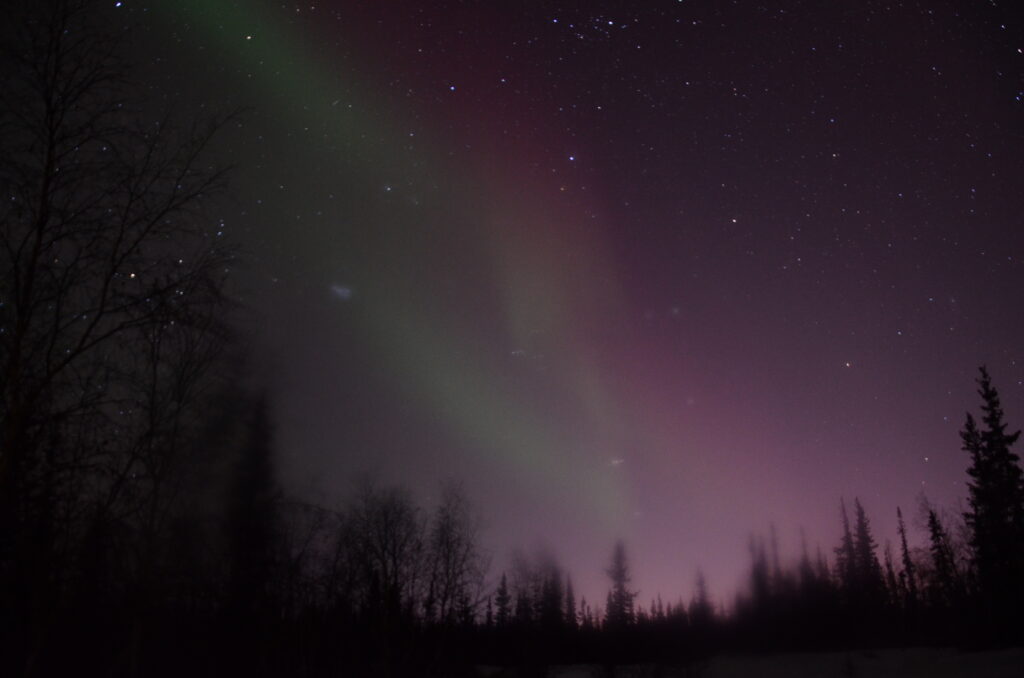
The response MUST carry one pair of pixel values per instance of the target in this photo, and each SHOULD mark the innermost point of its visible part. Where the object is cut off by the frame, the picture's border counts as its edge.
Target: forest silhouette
(142, 530)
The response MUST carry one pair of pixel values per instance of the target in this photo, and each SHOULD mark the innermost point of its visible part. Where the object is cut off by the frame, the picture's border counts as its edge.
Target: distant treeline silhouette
(142, 531)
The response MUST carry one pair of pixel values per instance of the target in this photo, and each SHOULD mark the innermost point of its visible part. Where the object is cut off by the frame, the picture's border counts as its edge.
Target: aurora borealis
(670, 271)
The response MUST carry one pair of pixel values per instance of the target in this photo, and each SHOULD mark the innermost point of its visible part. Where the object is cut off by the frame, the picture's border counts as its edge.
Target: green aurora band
(440, 367)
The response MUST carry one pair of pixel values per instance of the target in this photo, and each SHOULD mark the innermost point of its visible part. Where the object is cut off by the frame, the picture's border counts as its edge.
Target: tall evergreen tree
(551, 598)
(570, 604)
(846, 559)
(868, 571)
(995, 520)
(908, 577)
(945, 580)
(805, 570)
(586, 615)
(619, 610)
(776, 568)
(891, 583)
(761, 587)
(503, 600)
(658, 609)
(702, 612)
(524, 609)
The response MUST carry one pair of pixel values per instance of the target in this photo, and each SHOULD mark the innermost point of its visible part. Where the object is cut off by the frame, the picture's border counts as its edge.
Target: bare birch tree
(111, 282)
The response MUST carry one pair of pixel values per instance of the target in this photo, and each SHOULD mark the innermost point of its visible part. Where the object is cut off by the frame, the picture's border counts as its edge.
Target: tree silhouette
(760, 578)
(907, 577)
(995, 519)
(619, 612)
(846, 556)
(456, 566)
(523, 609)
(111, 279)
(552, 598)
(118, 537)
(570, 604)
(892, 585)
(385, 538)
(252, 529)
(870, 583)
(503, 602)
(252, 517)
(945, 586)
(702, 612)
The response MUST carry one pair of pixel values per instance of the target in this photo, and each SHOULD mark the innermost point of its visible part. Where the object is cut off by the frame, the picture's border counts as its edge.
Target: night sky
(664, 270)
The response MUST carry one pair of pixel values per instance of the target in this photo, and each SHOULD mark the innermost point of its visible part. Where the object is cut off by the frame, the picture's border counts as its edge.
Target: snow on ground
(907, 663)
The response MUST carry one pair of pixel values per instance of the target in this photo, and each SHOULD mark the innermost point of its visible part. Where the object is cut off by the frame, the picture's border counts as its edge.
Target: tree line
(142, 530)
(962, 587)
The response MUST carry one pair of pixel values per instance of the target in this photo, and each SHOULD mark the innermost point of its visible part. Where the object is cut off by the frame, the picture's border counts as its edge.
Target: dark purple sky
(665, 270)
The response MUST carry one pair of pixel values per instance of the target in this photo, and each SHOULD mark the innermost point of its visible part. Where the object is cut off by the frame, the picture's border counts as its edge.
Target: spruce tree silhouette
(907, 577)
(846, 558)
(552, 600)
(570, 604)
(944, 589)
(503, 601)
(995, 520)
(892, 585)
(870, 582)
(701, 612)
(619, 611)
